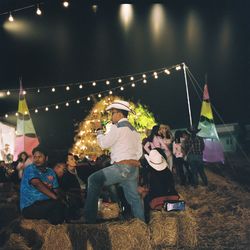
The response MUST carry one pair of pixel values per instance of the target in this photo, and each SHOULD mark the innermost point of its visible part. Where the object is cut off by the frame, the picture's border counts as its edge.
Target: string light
(155, 73)
(99, 95)
(53, 89)
(167, 71)
(94, 84)
(67, 88)
(107, 82)
(133, 85)
(88, 98)
(38, 11)
(94, 8)
(156, 76)
(132, 78)
(144, 81)
(178, 67)
(67, 104)
(110, 92)
(6, 115)
(66, 4)
(46, 109)
(121, 88)
(119, 80)
(80, 86)
(8, 92)
(11, 19)
(26, 112)
(16, 114)
(144, 76)
(24, 92)
(78, 101)
(36, 110)
(38, 90)
(57, 107)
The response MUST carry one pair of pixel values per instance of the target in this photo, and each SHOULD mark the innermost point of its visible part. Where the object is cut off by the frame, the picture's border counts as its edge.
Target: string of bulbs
(132, 82)
(38, 9)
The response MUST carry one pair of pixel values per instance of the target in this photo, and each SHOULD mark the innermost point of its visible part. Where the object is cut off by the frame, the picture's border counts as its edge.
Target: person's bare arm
(43, 188)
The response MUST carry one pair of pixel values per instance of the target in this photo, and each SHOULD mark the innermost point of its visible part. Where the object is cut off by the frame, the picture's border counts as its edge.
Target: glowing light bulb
(38, 90)
(156, 76)
(56, 107)
(46, 109)
(119, 80)
(155, 73)
(131, 78)
(11, 19)
(36, 110)
(8, 92)
(121, 88)
(88, 98)
(133, 85)
(66, 4)
(24, 92)
(78, 101)
(16, 114)
(144, 76)
(167, 71)
(80, 86)
(94, 84)
(67, 104)
(38, 11)
(53, 89)
(178, 67)
(107, 82)
(110, 92)
(6, 115)
(26, 112)
(99, 95)
(67, 88)
(144, 81)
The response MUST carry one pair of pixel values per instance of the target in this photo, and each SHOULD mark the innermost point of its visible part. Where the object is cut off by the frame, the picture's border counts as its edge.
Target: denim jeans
(197, 167)
(126, 176)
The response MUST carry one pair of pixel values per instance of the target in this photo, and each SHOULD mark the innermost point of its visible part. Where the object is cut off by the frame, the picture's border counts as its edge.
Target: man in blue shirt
(38, 192)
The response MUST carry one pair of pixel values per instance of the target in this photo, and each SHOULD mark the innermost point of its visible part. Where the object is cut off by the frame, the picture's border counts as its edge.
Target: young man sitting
(38, 191)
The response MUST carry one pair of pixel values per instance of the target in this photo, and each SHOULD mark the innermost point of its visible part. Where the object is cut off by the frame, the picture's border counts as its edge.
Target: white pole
(188, 101)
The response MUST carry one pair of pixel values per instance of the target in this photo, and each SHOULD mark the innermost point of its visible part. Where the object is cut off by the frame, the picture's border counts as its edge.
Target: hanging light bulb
(8, 92)
(156, 76)
(121, 88)
(53, 89)
(38, 11)
(167, 71)
(11, 19)
(131, 78)
(107, 82)
(16, 114)
(6, 115)
(67, 88)
(133, 85)
(56, 107)
(155, 73)
(119, 80)
(26, 112)
(94, 8)
(46, 109)
(144, 76)
(36, 110)
(88, 98)
(78, 101)
(93, 83)
(178, 67)
(66, 4)
(38, 90)
(144, 81)
(80, 86)
(24, 92)
(99, 95)
(67, 104)
(110, 92)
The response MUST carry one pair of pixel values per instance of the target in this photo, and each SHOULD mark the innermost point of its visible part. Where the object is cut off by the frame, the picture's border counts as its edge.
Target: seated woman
(159, 181)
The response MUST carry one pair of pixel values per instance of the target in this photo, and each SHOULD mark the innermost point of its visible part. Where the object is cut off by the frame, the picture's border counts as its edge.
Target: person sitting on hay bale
(126, 150)
(38, 191)
(159, 182)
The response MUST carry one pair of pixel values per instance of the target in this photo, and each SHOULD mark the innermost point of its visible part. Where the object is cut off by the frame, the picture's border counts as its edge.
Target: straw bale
(164, 229)
(109, 210)
(17, 242)
(187, 230)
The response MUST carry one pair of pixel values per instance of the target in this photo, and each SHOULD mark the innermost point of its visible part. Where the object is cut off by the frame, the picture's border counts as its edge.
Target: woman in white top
(23, 162)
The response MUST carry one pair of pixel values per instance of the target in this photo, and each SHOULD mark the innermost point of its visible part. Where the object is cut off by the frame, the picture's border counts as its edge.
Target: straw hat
(156, 160)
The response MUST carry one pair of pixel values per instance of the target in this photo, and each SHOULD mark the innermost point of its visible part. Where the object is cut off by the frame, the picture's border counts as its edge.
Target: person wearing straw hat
(126, 149)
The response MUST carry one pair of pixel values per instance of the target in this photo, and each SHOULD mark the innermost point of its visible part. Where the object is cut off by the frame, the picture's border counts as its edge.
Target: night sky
(78, 45)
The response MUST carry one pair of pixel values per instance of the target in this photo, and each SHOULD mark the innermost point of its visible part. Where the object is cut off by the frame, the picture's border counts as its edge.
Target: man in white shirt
(126, 149)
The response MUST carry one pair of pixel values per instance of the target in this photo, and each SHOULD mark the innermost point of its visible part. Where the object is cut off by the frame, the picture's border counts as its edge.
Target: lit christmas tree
(85, 143)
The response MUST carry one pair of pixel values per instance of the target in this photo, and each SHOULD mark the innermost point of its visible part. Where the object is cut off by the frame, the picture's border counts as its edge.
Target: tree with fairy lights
(85, 143)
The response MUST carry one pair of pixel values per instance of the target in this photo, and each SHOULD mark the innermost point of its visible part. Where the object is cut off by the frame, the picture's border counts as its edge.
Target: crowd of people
(138, 175)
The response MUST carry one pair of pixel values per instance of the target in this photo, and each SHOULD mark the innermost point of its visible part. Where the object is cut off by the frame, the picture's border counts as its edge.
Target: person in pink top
(155, 140)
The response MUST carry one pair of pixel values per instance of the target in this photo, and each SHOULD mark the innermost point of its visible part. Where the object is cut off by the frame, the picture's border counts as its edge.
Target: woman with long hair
(23, 161)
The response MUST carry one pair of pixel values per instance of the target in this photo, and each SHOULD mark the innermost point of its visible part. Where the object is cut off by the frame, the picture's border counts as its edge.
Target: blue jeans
(126, 176)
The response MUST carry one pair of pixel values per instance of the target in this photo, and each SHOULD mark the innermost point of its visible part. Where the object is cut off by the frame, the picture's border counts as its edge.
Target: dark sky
(76, 44)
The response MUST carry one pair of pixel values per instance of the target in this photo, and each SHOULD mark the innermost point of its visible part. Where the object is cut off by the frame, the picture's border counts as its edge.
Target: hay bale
(109, 210)
(163, 229)
(188, 230)
(17, 242)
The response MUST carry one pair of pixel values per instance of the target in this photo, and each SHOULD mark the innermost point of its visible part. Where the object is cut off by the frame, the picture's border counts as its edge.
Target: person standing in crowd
(179, 154)
(23, 162)
(38, 191)
(5, 152)
(126, 149)
(155, 140)
(194, 147)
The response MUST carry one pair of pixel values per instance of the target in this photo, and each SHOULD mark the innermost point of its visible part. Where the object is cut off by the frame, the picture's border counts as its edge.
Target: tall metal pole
(188, 101)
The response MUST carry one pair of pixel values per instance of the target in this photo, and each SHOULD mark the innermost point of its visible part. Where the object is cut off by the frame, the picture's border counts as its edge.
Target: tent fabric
(206, 110)
(22, 107)
(208, 130)
(213, 151)
(25, 127)
(25, 143)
